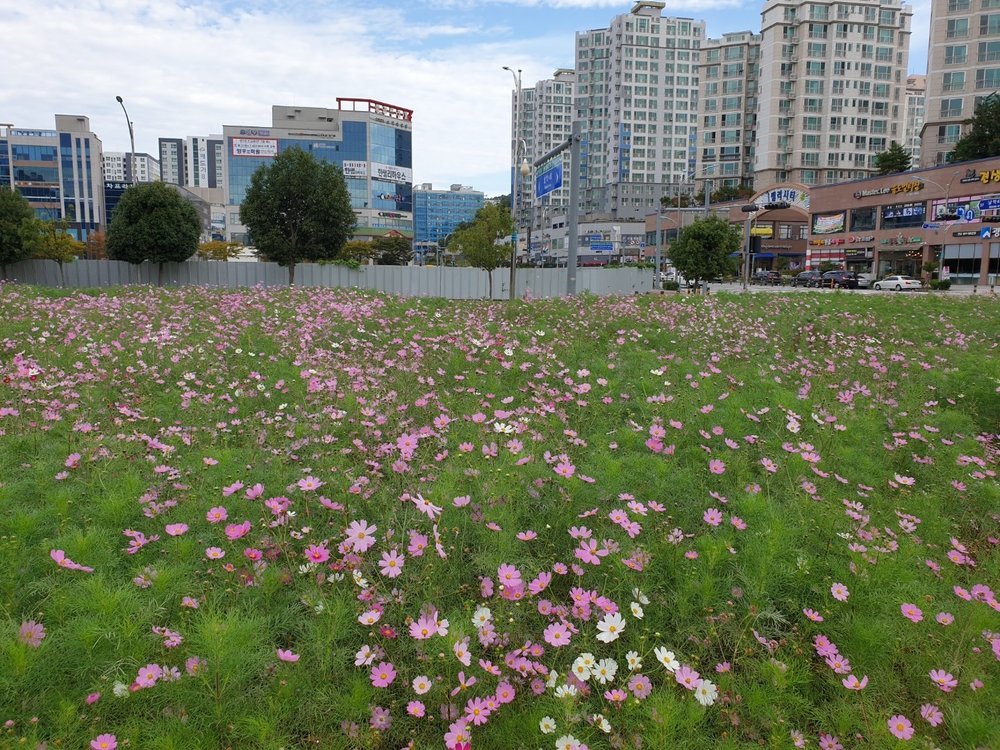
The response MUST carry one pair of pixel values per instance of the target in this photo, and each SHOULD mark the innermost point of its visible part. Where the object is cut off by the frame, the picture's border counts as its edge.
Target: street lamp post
(657, 283)
(946, 216)
(131, 138)
(524, 169)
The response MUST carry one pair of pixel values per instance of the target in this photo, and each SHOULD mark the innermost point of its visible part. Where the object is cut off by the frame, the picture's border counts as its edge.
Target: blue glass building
(436, 213)
(372, 142)
(59, 172)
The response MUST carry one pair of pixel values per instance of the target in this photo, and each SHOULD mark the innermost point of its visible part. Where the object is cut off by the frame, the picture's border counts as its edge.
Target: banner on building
(256, 147)
(357, 170)
(830, 223)
(390, 173)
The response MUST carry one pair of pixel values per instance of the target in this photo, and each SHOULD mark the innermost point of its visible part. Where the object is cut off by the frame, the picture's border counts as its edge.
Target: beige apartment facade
(963, 67)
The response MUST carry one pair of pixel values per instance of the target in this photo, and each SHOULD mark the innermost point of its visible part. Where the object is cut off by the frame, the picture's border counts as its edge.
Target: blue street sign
(549, 180)
(984, 233)
(601, 247)
(989, 204)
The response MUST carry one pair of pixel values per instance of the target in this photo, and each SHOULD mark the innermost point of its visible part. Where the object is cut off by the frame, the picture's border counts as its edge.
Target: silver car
(897, 283)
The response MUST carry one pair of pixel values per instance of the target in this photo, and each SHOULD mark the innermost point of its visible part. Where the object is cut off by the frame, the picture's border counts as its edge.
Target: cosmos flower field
(327, 519)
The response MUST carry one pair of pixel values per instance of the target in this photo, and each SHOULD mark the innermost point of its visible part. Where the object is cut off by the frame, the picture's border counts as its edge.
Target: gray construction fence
(407, 281)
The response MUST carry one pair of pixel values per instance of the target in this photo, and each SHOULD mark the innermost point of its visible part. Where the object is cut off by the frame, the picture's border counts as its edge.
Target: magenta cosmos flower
(716, 466)
(839, 592)
(383, 674)
(104, 742)
(361, 536)
(31, 633)
(391, 564)
(911, 612)
(317, 553)
(900, 727)
(943, 680)
(287, 655)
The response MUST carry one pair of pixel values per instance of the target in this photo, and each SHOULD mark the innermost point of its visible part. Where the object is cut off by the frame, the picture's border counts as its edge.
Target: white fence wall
(407, 281)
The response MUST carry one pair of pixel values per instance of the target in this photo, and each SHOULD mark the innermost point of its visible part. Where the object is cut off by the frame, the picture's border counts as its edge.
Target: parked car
(840, 280)
(807, 279)
(897, 283)
(769, 278)
(865, 280)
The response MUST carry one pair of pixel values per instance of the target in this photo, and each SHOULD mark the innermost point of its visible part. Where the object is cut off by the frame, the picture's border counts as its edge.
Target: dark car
(840, 280)
(807, 279)
(768, 278)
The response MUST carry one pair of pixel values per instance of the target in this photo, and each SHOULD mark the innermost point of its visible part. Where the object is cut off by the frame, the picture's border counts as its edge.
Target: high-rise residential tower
(192, 162)
(58, 171)
(637, 99)
(963, 67)
(913, 123)
(147, 168)
(727, 110)
(832, 88)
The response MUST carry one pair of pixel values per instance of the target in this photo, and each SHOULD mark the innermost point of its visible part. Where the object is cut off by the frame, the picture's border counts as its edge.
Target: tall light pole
(131, 138)
(947, 215)
(515, 180)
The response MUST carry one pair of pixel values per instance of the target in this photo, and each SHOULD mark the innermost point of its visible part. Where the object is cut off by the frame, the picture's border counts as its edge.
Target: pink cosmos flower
(640, 686)
(911, 612)
(565, 469)
(686, 677)
(391, 564)
(853, 683)
(716, 466)
(93, 698)
(839, 592)
(148, 675)
(64, 562)
(931, 714)
(712, 516)
(176, 529)
(104, 742)
(287, 655)
(616, 696)
(477, 711)
(217, 514)
(945, 618)
(900, 727)
(317, 553)
(308, 484)
(361, 536)
(944, 680)
(215, 553)
(31, 633)
(556, 635)
(416, 709)
(383, 674)
(236, 531)
(813, 615)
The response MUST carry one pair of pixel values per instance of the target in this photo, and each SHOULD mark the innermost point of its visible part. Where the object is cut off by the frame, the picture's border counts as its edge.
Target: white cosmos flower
(567, 742)
(634, 661)
(706, 692)
(611, 626)
(547, 725)
(639, 596)
(601, 723)
(637, 612)
(581, 670)
(566, 691)
(550, 681)
(605, 671)
(666, 658)
(481, 616)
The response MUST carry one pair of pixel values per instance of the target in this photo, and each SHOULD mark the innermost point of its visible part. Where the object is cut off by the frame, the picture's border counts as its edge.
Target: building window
(953, 81)
(989, 51)
(949, 133)
(989, 25)
(988, 78)
(863, 219)
(958, 28)
(902, 215)
(956, 54)
(951, 107)
(957, 5)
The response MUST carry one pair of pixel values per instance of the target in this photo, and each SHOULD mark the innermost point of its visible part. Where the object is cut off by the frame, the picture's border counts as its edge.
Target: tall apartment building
(371, 141)
(727, 110)
(58, 171)
(963, 67)
(192, 162)
(546, 122)
(832, 88)
(436, 213)
(146, 167)
(637, 100)
(913, 122)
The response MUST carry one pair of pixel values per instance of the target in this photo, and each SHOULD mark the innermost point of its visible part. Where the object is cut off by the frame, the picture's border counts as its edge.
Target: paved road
(959, 291)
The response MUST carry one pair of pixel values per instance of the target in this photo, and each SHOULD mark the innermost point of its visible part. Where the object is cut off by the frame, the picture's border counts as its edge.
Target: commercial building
(436, 213)
(146, 168)
(832, 78)
(192, 162)
(370, 141)
(913, 124)
(727, 110)
(949, 215)
(637, 101)
(58, 171)
(963, 67)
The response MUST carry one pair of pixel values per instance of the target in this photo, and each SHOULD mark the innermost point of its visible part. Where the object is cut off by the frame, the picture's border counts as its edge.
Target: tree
(702, 250)
(297, 209)
(49, 240)
(96, 246)
(983, 138)
(478, 242)
(15, 220)
(153, 223)
(392, 251)
(359, 250)
(892, 160)
(219, 250)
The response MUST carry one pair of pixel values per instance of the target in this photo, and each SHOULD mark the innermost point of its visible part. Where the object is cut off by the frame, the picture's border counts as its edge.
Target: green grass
(273, 386)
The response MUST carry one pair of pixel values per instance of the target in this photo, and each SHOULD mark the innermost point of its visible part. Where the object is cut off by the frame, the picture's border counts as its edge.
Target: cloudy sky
(187, 67)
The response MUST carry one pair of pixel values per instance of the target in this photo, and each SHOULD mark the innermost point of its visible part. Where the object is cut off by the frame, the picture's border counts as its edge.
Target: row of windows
(958, 28)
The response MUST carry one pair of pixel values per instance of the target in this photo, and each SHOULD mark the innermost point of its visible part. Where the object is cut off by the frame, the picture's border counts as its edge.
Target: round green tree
(153, 223)
(702, 250)
(297, 208)
(16, 227)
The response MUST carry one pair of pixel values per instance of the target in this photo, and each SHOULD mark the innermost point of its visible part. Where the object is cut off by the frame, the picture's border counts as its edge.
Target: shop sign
(901, 240)
(762, 232)
(861, 238)
(985, 176)
(797, 198)
(966, 233)
(903, 187)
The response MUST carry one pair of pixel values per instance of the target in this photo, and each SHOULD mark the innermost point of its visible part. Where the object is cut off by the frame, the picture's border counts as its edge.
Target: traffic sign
(601, 247)
(989, 204)
(549, 180)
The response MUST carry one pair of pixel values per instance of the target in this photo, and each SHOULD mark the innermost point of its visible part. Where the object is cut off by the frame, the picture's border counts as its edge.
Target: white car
(898, 283)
